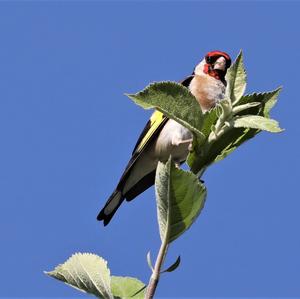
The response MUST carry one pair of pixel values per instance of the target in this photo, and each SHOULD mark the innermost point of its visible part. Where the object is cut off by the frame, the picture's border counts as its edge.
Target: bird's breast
(207, 90)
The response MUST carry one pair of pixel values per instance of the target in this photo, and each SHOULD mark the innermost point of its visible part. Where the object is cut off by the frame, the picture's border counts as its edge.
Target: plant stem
(154, 279)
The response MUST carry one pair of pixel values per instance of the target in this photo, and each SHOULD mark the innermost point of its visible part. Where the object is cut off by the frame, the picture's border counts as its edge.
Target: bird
(163, 136)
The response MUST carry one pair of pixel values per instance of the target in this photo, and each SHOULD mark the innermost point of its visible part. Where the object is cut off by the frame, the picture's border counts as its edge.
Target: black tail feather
(111, 206)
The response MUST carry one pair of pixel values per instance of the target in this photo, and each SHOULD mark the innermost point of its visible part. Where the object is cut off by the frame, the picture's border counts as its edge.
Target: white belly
(169, 142)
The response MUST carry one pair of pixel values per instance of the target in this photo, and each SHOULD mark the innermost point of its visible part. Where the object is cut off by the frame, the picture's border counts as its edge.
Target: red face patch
(218, 54)
(210, 58)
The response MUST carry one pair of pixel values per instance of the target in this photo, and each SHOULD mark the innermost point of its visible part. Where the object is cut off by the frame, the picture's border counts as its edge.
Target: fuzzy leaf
(173, 100)
(237, 136)
(87, 272)
(149, 261)
(230, 141)
(236, 80)
(257, 122)
(127, 287)
(202, 156)
(180, 197)
(272, 100)
(267, 100)
(238, 109)
(196, 155)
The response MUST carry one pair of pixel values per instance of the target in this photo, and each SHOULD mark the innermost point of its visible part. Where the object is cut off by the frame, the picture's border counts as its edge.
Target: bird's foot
(178, 142)
(177, 164)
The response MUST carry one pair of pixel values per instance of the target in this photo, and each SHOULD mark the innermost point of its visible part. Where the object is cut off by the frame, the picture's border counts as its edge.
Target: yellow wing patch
(154, 123)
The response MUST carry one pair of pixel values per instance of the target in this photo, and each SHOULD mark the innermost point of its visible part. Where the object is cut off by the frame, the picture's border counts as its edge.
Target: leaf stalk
(154, 279)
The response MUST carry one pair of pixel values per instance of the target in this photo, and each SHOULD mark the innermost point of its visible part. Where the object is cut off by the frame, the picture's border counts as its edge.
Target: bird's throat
(217, 74)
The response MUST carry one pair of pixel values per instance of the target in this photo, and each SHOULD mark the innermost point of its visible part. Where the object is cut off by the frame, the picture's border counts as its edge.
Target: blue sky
(67, 132)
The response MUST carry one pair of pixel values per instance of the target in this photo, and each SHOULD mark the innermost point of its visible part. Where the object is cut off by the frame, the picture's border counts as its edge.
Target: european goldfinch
(163, 137)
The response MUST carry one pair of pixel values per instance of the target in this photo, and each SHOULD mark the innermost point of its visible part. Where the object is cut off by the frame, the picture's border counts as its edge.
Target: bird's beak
(220, 64)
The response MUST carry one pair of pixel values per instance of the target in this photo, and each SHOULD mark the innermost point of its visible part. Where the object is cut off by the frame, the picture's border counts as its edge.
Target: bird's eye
(208, 59)
(228, 63)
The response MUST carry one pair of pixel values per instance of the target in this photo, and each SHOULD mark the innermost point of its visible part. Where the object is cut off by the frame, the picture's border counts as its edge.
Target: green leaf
(236, 80)
(238, 109)
(271, 101)
(149, 261)
(173, 100)
(267, 100)
(209, 119)
(174, 266)
(196, 155)
(127, 287)
(215, 151)
(257, 122)
(230, 141)
(237, 136)
(86, 272)
(180, 197)
(201, 156)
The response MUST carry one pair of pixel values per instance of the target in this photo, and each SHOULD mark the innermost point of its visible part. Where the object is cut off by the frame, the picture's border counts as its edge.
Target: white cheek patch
(199, 69)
